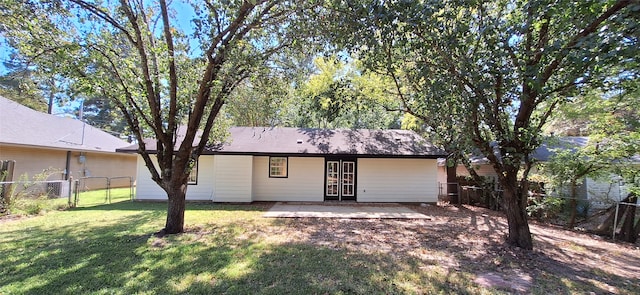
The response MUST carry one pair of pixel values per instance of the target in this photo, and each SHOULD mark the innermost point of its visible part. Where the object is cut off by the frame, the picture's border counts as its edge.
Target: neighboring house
(40, 142)
(297, 164)
(600, 192)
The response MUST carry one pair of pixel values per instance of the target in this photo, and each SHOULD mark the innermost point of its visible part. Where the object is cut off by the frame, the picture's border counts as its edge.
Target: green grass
(44, 204)
(102, 248)
(109, 249)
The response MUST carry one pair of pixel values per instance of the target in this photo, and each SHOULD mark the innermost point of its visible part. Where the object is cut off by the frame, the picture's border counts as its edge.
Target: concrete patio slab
(285, 210)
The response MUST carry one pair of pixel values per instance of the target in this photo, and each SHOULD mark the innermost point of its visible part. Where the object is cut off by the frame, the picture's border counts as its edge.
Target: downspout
(67, 168)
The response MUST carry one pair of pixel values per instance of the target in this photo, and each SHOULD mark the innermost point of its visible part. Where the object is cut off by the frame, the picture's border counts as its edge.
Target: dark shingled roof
(315, 142)
(20, 125)
(545, 151)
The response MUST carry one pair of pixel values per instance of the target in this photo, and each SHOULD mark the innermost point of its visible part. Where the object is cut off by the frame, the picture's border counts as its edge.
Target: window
(278, 167)
(193, 175)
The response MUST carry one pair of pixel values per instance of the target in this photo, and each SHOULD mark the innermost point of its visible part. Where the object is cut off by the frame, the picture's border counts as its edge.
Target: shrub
(545, 208)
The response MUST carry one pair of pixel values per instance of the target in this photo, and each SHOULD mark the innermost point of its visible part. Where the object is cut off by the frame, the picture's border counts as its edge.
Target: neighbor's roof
(542, 153)
(545, 151)
(312, 142)
(20, 125)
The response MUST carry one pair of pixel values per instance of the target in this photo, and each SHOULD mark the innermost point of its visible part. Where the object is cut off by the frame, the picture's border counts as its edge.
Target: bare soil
(472, 239)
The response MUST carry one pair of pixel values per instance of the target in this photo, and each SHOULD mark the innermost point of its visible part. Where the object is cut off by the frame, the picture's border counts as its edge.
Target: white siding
(397, 180)
(147, 189)
(442, 180)
(603, 193)
(304, 182)
(232, 178)
(203, 190)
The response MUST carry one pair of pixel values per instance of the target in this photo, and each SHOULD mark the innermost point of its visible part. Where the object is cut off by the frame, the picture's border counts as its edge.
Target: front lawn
(231, 249)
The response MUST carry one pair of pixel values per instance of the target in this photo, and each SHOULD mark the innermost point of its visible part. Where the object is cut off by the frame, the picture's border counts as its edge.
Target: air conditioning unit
(57, 189)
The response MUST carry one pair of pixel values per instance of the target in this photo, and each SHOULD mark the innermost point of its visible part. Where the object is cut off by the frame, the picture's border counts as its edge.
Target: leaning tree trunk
(175, 211)
(606, 227)
(515, 208)
(628, 231)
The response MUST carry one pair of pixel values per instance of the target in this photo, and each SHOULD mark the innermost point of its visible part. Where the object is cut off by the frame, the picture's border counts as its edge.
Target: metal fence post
(76, 191)
(70, 191)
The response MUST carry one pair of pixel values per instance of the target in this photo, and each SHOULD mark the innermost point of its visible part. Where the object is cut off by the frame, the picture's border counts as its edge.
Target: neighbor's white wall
(603, 193)
(147, 189)
(397, 180)
(232, 178)
(442, 180)
(304, 182)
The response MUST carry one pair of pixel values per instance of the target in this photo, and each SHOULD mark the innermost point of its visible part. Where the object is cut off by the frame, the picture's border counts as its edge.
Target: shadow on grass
(117, 255)
(118, 259)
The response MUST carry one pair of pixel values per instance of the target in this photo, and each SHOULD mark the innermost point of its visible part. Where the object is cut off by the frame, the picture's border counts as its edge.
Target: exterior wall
(397, 180)
(203, 189)
(232, 178)
(482, 170)
(442, 180)
(31, 161)
(603, 193)
(147, 189)
(305, 181)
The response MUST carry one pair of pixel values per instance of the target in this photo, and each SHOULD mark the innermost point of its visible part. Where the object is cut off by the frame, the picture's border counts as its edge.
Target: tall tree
(166, 84)
(101, 112)
(20, 85)
(508, 63)
(340, 95)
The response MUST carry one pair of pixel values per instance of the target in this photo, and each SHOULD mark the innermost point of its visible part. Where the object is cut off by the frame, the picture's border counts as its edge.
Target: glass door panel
(348, 178)
(333, 175)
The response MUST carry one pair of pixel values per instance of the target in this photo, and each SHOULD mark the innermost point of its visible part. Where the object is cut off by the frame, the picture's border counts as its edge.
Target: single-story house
(40, 142)
(316, 165)
(599, 192)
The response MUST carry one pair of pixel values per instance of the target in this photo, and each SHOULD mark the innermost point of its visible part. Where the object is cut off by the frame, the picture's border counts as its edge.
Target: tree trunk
(175, 211)
(519, 233)
(452, 186)
(573, 204)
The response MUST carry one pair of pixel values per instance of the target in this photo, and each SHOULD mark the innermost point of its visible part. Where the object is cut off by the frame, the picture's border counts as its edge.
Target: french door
(340, 180)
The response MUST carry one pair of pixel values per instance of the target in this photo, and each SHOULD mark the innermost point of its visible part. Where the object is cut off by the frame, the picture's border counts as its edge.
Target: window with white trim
(193, 175)
(278, 166)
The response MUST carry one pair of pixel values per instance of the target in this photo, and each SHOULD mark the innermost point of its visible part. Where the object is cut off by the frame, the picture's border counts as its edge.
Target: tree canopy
(169, 83)
(507, 64)
(484, 75)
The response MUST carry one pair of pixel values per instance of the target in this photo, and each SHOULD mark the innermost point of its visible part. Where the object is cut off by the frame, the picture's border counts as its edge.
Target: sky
(184, 15)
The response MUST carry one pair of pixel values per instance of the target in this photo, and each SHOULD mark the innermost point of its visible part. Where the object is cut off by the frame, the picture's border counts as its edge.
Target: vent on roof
(299, 141)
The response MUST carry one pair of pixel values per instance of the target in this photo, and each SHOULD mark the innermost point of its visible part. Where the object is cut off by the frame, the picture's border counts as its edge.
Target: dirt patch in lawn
(471, 239)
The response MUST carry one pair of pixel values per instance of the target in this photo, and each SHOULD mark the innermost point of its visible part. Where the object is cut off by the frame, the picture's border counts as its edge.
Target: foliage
(20, 85)
(506, 65)
(101, 112)
(341, 95)
(545, 208)
(29, 195)
(612, 122)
